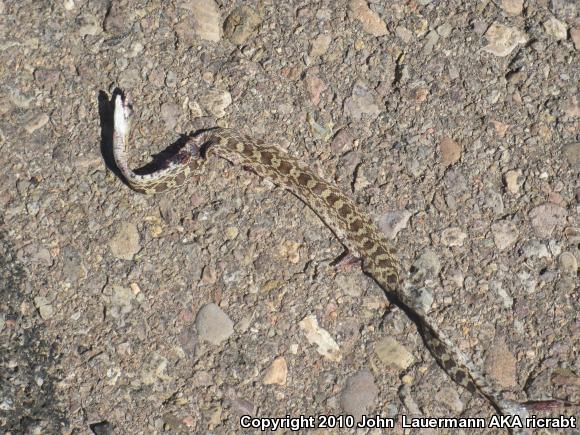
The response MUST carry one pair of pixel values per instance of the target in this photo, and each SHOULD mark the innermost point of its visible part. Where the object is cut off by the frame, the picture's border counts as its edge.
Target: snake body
(354, 228)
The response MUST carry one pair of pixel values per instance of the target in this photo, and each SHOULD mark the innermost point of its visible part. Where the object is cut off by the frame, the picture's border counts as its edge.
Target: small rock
(206, 19)
(453, 236)
(512, 7)
(444, 30)
(571, 108)
(276, 373)
(32, 254)
(450, 151)
(500, 128)
(450, 398)
(394, 221)
(500, 363)
(116, 22)
(216, 102)
(575, 34)
(513, 181)
(546, 217)
(213, 325)
(528, 281)
(241, 24)
(404, 34)
(290, 250)
(170, 114)
(572, 153)
(44, 307)
(535, 249)
(556, 28)
(506, 299)
(503, 39)
(427, 265)
(120, 301)
(505, 233)
(69, 5)
(88, 25)
(370, 20)
(568, 263)
(126, 243)
(326, 346)
(319, 45)
(35, 121)
(341, 141)
(359, 394)
(314, 86)
(361, 102)
(422, 297)
(392, 353)
(242, 407)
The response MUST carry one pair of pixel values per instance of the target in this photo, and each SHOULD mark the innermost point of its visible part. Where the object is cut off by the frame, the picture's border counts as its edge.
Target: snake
(354, 228)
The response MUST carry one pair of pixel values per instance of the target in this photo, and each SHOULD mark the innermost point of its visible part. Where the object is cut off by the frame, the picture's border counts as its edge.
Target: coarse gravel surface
(455, 124)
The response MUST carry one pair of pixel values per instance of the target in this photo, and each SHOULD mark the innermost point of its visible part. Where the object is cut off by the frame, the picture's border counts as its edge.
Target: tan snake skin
(355, 229)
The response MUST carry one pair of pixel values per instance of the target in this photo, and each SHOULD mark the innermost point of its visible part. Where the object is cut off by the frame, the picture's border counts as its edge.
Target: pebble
(453, 236)
(513, 181)
(314, 86)
(450, 151)
(427, 265)
(392, 222)
(556, 28)
(506, 299)
(359, 394)
(392, 353)
(500, 364)
(404, 34)
(35, 122)
(116, 22)
(325, 344)
(528, 281)
(568, 263)
(170, 114)
(276, 373)
(88, 25)
(535, 249)
(120, 301)
(575, 35)
(125, 244)
(546, 217)
(361, 102)
(319, 45)
(370, 20)
(450, 398)
(505, 233)
(216, 102)
(422, 297)
(572, 153)
(206, 19)
(503, 39)
(241, 24)
(44, 307)
(68, 5)
(512, 7)
(35, 254)
(341, 141)
(213, 325)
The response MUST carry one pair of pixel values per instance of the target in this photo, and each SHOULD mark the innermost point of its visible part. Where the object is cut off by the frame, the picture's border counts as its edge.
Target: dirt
(454, 124)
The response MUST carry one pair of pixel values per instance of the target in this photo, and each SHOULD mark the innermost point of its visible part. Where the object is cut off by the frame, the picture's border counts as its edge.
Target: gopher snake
(355, 230)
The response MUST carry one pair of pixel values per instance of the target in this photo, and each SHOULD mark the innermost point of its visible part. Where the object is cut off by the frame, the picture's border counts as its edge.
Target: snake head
(123, 114)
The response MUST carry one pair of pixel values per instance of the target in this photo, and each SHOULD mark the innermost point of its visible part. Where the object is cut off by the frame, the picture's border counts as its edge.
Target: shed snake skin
(354, 228)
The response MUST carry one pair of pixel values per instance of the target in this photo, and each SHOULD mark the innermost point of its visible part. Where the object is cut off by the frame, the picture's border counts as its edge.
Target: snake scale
(354, 228)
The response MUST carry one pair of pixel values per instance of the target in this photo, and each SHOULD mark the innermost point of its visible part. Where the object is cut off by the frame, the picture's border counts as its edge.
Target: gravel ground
(454, 123)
